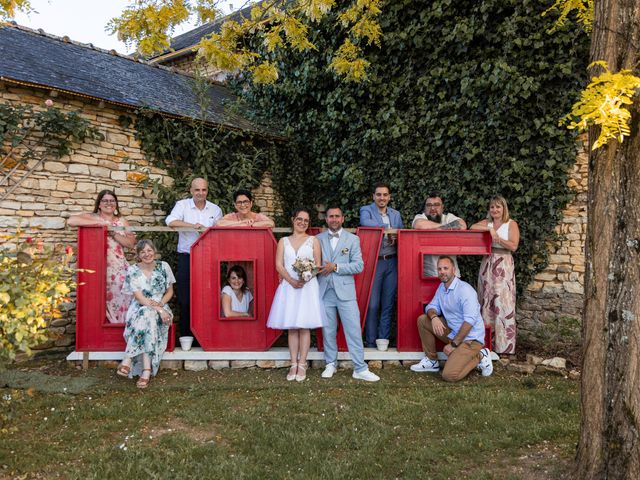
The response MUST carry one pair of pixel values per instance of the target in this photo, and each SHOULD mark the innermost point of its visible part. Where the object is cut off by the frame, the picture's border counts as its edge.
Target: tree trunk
(609, 445)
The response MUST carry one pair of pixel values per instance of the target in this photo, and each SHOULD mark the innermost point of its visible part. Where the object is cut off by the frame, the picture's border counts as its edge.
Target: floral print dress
(144, 331)
(497, 296)
(117, 300)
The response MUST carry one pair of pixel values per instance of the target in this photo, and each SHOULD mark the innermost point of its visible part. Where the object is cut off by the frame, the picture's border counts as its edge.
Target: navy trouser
(382, 301)
(183, 289)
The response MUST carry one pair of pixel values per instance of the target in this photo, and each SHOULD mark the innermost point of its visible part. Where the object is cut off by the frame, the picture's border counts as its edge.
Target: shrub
(34, 281)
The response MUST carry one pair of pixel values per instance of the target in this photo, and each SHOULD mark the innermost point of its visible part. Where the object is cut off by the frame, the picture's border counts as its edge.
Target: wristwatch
(454, 344)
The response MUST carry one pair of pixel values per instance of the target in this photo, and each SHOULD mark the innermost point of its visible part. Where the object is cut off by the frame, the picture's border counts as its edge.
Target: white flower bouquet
(305, 268)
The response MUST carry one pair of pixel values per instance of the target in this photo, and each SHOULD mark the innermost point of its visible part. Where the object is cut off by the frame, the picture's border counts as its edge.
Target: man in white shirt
(195, 212)
(434, 218)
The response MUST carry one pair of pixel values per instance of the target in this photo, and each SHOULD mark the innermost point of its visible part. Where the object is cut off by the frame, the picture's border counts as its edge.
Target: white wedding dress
(296, 307)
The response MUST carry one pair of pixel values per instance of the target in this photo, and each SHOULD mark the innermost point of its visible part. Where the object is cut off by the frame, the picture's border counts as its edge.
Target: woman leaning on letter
(497, 279)
(107, 212)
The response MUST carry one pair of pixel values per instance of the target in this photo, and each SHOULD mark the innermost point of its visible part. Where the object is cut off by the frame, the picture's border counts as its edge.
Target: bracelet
(432, 317)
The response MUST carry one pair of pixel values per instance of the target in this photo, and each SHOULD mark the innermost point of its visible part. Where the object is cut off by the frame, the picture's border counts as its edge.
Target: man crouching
(453, 316)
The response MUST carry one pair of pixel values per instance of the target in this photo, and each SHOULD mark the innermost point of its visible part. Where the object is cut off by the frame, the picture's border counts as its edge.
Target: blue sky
(84, 20)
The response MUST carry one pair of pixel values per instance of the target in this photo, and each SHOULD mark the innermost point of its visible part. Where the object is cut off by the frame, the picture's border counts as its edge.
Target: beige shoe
(293, 369)
(300, 377)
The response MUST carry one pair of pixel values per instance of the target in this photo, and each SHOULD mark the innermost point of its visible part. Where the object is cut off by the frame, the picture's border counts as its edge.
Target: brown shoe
(144, 382)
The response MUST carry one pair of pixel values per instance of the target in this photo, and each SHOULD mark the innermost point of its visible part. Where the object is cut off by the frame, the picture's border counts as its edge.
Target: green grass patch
(254, 424)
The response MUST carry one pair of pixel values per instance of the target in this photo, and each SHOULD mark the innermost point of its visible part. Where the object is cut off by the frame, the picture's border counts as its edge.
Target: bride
(296, 305)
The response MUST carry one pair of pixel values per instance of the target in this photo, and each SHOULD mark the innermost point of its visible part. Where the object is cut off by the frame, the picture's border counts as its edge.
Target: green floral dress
(144, 331)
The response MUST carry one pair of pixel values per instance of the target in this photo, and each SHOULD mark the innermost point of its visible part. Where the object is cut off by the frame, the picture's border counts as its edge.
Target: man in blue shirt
(385, 283)
(453, 316)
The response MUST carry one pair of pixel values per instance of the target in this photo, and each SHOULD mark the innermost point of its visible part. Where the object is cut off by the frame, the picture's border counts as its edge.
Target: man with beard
(434, 218)
(453, 316)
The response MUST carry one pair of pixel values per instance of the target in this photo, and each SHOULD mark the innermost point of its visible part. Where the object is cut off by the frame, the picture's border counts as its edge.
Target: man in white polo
(194, 212)
(434, 218)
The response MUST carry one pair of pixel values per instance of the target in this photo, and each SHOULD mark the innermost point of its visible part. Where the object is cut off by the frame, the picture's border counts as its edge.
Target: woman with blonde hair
(497, 279)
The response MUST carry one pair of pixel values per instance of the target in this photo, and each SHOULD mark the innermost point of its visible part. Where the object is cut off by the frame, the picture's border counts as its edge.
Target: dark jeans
(183, 290)
(382, 302)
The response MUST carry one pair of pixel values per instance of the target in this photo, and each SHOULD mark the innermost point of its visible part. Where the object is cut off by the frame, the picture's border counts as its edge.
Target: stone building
(103, 86)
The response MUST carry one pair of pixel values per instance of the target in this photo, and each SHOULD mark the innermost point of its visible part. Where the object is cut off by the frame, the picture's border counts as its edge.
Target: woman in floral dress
(148, 317)
(497, 278)
(107, 212)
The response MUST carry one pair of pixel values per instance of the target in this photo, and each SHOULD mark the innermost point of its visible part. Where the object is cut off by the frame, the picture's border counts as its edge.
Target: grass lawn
(254, 424)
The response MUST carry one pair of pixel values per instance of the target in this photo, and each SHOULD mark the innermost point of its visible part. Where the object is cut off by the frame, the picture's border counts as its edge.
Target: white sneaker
(329, 370)
(366, 375)
(486, 365)
(426, 365)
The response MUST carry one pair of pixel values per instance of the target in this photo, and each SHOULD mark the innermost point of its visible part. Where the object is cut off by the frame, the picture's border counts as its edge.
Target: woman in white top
(497, 280)
(237, 300)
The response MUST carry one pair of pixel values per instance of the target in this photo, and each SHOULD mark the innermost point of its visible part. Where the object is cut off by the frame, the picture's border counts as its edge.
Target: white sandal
(292, 375)
(303, 367)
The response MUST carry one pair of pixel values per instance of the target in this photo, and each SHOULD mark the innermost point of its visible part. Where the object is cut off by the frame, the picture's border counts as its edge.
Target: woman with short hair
(146, 331)
(243, 216)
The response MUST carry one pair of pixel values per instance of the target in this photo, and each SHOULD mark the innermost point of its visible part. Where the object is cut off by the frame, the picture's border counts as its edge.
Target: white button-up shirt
(186, 211)
(334, 241)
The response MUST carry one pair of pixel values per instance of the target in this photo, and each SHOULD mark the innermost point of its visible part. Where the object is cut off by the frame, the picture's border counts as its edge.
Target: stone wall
(553, 301)
(188, 65)
(59, 188)
(265, 197)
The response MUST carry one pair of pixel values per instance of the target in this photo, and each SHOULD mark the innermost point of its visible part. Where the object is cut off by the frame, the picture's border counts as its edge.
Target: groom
(343, 259)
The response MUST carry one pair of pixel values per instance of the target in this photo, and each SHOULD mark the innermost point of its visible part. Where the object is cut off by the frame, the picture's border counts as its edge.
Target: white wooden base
(277, 353)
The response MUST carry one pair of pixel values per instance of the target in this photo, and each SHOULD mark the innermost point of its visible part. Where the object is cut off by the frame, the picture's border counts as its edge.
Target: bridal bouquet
(305, 268)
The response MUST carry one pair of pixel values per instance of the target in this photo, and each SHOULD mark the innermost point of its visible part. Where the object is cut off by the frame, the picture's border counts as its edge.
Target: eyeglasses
(107, 201)
(430, 205)
(243, 202)
(301, 220)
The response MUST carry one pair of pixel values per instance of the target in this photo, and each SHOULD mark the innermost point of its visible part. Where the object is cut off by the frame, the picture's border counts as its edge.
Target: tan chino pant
(461, 361)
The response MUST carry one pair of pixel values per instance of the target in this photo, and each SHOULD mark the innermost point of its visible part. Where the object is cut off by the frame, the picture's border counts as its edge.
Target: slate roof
(40, 60)
(193, 37)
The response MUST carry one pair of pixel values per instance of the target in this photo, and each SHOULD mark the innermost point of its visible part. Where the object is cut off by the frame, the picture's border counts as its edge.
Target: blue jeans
(382, 301)
(350, 319)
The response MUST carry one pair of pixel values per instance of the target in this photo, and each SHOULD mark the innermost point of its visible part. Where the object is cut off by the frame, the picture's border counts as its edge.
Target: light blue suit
(338, 293)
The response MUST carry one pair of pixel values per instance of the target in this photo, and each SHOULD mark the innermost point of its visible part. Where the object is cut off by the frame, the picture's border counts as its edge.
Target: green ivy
(463, 97)
(228, 159)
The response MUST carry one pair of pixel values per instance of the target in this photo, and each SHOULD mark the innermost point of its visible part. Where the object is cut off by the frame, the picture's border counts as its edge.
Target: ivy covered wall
(464, 97)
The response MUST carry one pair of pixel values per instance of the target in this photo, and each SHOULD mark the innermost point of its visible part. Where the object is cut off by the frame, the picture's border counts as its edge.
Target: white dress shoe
(366, 375)
(328, 371)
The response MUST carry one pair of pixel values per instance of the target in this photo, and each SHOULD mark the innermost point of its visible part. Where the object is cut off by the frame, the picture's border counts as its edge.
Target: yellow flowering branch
(603, 103)
(583, 9)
